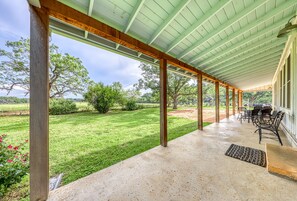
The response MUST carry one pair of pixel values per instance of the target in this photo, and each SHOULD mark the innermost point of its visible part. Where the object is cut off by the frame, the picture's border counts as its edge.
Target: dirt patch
(208, 114)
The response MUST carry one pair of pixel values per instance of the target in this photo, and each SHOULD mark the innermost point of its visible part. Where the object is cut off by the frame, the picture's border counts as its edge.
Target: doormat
(250, 155)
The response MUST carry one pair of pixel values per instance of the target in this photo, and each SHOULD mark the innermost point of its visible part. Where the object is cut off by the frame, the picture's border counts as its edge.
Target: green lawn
(83, 143)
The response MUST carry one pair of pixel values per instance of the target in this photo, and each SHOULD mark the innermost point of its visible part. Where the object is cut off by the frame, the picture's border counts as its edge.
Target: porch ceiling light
(288, 28)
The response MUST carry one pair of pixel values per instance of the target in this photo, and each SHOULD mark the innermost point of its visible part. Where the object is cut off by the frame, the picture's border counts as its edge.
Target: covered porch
(232, 44)
(192, 167)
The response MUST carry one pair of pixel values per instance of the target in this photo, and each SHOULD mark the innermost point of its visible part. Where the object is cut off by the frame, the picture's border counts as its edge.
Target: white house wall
(289, 123)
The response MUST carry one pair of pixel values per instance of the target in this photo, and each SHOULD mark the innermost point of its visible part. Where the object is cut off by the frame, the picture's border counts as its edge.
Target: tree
(259, 97)
(66, 73)
(177, 85)
(103, 97)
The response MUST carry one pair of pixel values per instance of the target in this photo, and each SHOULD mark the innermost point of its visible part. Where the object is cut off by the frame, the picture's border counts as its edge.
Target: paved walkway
(192, 167)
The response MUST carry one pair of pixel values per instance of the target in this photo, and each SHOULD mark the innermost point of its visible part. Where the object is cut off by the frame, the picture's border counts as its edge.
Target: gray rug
(250, 155)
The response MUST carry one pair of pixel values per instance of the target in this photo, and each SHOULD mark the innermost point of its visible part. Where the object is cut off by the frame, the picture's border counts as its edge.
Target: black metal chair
(254, 115)
(273, 126)
(266, 112)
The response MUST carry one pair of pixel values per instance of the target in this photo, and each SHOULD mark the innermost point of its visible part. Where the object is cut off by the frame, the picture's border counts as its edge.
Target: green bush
(14, 165)
(131, 105)
(103, 97)
(61, 106)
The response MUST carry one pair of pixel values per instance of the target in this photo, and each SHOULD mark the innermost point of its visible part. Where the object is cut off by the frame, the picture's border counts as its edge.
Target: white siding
(289, 124)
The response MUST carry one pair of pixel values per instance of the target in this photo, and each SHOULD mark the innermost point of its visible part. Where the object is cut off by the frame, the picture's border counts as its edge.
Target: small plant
(13, 164)
(62, 106)
(131, 105)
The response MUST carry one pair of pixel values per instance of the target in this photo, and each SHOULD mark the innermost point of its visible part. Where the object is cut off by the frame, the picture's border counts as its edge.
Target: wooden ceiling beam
(71, 16)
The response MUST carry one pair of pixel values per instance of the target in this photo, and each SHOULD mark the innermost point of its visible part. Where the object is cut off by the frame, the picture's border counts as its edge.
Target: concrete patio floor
(192, 167)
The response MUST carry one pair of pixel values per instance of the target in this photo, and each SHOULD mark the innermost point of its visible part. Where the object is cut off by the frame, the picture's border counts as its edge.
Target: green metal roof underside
(233, 40)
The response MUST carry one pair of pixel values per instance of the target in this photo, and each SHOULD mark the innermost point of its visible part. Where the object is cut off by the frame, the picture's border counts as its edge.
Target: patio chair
(254, 115)
(266, 111)
(241, 111)
(272, 117)
(273, 127)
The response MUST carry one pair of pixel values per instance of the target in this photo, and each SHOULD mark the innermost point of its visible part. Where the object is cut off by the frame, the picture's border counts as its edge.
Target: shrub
(13, 164)
(61, 106)
(131, 105)
(102, 97)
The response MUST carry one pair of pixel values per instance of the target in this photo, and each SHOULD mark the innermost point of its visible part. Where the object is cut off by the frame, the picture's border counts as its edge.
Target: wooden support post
(233, 101)
(39, 97)
(239, 98)
(200, 101)
(227, 101)
(238, 101)
(217, 100)
(163, 102)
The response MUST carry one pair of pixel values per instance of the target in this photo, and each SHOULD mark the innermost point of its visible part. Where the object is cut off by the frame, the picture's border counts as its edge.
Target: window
(284, 83)
(280, 88)
(284, 87)
(275, 97)
(289, 82)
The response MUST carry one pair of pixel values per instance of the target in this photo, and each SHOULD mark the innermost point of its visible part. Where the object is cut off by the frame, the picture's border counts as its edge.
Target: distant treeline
(12, 100)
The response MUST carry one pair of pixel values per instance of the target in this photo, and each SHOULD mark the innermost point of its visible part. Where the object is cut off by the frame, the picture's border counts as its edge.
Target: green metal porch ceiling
(233, 40)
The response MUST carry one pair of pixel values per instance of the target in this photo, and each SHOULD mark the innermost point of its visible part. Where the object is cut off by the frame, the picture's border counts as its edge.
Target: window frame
(283, 83)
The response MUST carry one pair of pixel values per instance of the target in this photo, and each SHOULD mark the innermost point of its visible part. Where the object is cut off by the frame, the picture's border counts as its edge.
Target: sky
(103, 66)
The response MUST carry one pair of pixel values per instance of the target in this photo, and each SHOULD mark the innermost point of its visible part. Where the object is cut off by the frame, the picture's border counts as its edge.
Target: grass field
(86, 142)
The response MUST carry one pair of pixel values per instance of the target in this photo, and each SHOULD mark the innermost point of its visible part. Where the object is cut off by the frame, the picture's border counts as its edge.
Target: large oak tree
(66, 73)
(178, 85)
